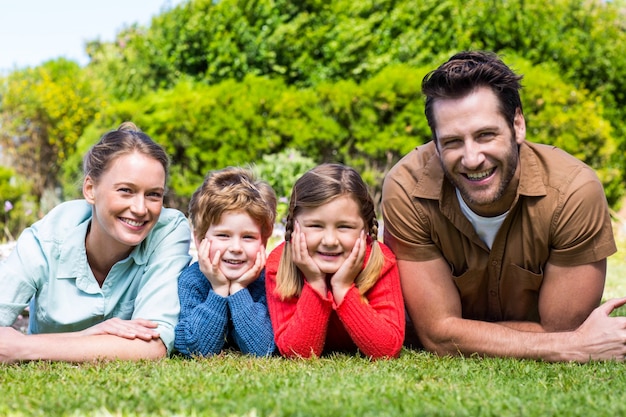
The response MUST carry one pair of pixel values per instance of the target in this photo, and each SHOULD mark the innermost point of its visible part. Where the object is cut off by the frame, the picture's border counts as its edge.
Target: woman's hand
(300, 255)
(210, 268)
(9, 341)
(342, 280)
(128, 329)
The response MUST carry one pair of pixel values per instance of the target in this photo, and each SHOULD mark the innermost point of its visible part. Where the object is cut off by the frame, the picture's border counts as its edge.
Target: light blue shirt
(49, 265)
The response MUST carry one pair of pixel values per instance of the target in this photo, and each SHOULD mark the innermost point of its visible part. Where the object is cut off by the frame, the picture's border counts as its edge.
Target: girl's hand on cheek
(343, 279)
(210, 268)
(251, 274)
(304, 262)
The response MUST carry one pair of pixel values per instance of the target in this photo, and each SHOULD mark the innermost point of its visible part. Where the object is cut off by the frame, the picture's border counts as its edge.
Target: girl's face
(238, 238)
(331, 231)
(127, 201)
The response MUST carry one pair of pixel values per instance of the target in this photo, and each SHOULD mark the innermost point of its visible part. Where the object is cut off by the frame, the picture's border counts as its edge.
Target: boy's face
(238, 239)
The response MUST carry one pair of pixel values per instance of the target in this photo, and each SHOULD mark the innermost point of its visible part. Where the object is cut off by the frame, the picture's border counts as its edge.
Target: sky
(34, 31)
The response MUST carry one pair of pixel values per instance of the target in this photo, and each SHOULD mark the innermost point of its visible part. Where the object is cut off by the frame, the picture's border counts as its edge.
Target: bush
(281, 171)
(19, 209)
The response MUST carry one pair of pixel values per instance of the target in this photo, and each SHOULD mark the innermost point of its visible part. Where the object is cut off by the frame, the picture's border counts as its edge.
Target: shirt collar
(432, 184)
(73, 256)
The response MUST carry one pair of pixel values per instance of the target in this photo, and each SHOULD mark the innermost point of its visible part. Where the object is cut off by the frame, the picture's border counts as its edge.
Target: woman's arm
(72, 347)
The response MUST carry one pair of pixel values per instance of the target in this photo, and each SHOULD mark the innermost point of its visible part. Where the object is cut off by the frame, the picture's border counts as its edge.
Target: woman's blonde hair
(315, 188)
(232, 189)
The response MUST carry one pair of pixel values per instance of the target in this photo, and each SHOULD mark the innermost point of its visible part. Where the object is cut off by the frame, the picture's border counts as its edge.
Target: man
(501, 243)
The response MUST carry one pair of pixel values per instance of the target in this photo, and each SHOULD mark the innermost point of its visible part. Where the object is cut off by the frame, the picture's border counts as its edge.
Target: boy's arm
(251, 321)
(201, 329)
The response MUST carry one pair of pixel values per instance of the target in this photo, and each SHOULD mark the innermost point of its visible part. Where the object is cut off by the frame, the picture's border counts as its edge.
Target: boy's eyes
(227, 235)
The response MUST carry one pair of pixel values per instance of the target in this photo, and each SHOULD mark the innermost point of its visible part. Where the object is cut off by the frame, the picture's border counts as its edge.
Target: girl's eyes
(319, 226)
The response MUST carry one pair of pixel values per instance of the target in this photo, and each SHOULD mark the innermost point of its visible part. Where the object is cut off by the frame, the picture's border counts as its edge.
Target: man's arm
(567, 297)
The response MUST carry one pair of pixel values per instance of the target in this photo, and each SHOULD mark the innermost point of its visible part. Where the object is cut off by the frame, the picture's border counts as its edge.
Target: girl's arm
(376, 327)
(251, 321)
(202, 327)
(299, 323)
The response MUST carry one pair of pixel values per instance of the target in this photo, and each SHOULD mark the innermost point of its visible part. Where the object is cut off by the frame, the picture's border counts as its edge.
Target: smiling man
(501, 243)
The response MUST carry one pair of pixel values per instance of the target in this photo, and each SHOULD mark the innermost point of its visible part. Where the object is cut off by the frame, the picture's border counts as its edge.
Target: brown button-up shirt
(559, 215)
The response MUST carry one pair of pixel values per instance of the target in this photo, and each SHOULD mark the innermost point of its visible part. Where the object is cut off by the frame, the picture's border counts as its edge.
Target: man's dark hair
(465, 72)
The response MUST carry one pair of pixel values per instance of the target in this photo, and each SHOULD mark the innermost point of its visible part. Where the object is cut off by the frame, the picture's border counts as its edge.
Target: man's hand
(602, 337)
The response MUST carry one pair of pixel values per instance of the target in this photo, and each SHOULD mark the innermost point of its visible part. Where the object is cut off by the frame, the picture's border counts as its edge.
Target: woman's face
(127, 201)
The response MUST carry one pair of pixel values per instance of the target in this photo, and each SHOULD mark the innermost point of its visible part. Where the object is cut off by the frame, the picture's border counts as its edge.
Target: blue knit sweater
(209, 322)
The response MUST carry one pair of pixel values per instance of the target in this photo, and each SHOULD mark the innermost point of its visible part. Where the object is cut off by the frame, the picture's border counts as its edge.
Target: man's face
(478, 151)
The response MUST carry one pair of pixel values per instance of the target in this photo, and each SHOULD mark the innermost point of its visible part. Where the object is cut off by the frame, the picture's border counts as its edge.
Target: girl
(101, 272)
(331, 286)
(222, 296)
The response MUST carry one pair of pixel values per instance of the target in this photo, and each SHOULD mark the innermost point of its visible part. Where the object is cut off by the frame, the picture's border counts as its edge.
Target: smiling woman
(100, 274)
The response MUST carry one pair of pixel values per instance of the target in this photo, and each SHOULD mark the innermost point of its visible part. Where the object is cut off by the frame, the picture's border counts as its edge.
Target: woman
(100, 273)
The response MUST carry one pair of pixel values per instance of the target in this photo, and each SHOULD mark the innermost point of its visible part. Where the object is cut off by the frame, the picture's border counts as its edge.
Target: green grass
(416, 384)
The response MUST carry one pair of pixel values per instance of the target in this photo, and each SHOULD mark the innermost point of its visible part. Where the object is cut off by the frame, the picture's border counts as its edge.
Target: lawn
(417, 383)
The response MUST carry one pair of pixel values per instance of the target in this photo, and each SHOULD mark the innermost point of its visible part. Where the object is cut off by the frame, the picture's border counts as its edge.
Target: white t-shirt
(486, 227)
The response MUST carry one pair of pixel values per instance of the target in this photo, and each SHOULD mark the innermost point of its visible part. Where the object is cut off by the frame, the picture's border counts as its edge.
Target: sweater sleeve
(377, 326)
(252, 327)
(203, 322)
(300, 323)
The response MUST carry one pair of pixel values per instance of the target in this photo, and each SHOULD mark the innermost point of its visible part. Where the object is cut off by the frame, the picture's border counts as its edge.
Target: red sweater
(311, 324)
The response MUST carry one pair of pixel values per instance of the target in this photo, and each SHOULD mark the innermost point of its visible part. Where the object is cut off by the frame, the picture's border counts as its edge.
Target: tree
(43, 112)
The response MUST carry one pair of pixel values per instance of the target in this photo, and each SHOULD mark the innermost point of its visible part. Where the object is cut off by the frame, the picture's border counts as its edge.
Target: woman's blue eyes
(153, 195)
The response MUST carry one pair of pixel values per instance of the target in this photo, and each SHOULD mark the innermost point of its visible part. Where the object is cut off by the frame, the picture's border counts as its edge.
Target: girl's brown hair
(315, 188)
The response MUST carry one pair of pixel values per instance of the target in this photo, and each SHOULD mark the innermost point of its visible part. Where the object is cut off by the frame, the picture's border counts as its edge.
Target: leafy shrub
(281, 170)
(19, 208)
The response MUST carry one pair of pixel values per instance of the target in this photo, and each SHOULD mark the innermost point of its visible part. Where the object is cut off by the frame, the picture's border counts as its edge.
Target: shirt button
(493, 293)
(494, 263)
